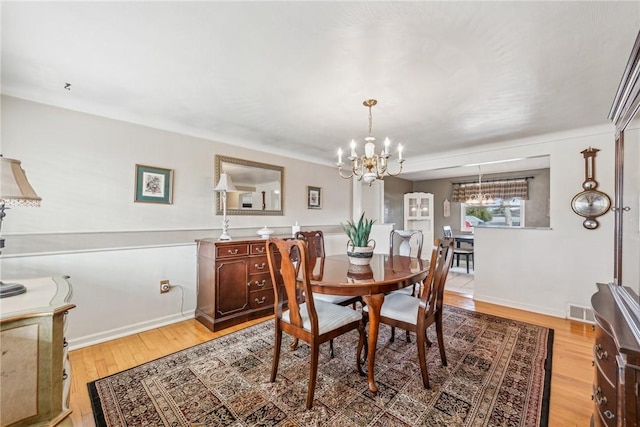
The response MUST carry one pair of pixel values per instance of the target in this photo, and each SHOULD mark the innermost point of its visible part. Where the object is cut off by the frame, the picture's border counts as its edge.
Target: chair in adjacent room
(417, 314)
(314, 322)
(458, 251)
(315, 246)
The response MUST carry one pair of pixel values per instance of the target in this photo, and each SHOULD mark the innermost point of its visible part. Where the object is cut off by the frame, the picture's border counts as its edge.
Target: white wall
(116, 251)
(543, 270)
(116, 292)
(83, 168)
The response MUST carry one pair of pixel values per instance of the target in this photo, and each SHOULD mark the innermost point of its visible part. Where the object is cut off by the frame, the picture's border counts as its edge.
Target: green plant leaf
(358, 233)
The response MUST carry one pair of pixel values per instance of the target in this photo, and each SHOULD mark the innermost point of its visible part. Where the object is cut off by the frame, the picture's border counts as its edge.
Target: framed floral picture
(154, 185)
(314, 197)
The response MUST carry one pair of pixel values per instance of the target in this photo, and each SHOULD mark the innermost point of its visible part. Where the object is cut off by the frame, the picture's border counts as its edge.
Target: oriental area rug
(498, 374)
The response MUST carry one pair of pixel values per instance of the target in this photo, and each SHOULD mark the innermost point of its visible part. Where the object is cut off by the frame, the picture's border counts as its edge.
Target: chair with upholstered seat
(417, 314)
(457, 250)
(405, 243)
(315, 246)
(314, 322)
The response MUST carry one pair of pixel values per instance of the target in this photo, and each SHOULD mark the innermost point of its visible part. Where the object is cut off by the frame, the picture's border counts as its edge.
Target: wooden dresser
(616, 355)
(35, 378)
(234, 283)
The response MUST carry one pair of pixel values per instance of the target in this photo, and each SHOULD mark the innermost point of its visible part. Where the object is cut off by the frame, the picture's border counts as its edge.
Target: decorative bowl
(265, 232)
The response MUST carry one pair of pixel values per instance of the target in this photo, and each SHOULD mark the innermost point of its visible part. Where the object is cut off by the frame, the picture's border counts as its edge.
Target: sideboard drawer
(227, 251)
(604, 396)
(604, 353)
(258, 265)
(259, 282)
(261, 299)
(258, 248)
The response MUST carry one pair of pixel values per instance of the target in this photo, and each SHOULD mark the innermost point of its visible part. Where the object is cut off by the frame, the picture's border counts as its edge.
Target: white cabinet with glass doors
(418, 215)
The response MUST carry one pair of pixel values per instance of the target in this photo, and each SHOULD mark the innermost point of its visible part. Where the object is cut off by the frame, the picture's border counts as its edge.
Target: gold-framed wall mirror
(260, 189)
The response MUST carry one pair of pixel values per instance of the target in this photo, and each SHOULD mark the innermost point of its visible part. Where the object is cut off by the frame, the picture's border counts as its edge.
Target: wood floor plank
(572, 373)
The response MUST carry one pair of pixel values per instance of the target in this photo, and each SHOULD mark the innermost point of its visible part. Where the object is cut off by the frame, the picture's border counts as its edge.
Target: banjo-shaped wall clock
(590, 203)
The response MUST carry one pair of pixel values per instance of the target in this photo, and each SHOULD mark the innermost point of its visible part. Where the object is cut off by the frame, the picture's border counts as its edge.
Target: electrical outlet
(164, 286)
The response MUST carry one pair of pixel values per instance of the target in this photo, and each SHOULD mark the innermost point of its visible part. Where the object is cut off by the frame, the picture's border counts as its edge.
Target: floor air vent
(580, 313)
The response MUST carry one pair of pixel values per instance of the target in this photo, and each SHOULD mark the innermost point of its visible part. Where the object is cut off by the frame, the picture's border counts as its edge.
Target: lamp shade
(225, 183)
(15, 189)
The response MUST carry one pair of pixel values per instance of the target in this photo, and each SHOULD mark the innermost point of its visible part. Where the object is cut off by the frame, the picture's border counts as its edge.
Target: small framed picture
(154, 185)
(314, 197)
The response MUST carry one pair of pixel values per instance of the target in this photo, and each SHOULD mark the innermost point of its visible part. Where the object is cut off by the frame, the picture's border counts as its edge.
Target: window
(500, 213)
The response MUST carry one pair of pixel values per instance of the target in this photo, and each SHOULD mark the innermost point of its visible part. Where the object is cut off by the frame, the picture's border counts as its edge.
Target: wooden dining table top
(384, 274)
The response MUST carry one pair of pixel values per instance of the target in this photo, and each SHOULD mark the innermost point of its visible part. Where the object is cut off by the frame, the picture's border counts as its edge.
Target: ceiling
(290, 77)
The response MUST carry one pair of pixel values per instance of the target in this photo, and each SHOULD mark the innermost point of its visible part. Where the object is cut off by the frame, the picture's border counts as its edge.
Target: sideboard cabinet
(616, 356)
(616, 306)
(234, 283)
(35, 372)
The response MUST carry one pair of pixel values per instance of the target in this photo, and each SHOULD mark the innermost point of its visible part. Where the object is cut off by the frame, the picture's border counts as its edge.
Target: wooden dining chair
(417, 314)
(315, 245)
(406, 243)
(314, 322)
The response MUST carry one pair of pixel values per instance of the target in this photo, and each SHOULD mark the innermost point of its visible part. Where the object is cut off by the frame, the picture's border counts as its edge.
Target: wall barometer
(590, 203)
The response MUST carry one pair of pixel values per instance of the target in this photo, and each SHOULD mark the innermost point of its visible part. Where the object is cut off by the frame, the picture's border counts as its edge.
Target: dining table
(384, 274)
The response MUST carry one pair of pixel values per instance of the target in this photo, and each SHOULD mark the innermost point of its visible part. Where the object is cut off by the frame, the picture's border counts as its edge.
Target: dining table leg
(374, 304)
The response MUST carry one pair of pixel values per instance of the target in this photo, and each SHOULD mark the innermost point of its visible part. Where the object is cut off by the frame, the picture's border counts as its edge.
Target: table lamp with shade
(15, 190)
(224, 184)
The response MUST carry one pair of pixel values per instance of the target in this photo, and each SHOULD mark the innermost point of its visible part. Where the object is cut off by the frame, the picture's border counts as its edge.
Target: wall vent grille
(580, 313)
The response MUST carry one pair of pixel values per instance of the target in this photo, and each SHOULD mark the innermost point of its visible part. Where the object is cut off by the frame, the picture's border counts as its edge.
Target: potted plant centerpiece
(360, 247)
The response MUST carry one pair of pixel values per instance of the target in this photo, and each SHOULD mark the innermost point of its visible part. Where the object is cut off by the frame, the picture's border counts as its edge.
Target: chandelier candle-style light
(480, 198)
(370, 166)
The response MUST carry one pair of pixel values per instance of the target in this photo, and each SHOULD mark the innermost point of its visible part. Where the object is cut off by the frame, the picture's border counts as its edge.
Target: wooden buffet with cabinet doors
(234, 283)
(35, 374)
(616, 355)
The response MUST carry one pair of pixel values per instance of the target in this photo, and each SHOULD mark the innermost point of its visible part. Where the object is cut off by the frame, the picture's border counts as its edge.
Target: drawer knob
(260, 250)
(609, 414)
(602, 355)
(260, 301)
(260, 266)
(261, 284)
(232, 252)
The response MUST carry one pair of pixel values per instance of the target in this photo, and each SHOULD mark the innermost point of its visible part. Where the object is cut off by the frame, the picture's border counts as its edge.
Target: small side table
(34, 364)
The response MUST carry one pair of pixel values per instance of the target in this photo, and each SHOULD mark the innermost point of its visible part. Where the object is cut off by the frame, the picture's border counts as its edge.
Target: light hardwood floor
(571, 372)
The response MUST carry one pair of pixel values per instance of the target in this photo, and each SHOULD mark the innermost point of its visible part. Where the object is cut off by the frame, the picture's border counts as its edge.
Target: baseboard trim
(519, 305)
(88, 340)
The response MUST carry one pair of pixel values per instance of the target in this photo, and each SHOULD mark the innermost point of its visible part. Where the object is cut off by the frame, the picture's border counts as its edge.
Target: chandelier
(479, 198)
(370, 166)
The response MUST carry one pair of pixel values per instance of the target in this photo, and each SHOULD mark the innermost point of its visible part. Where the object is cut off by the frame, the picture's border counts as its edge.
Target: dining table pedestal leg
(374, 304)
